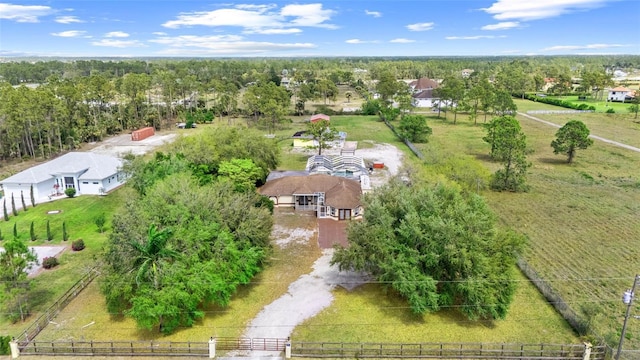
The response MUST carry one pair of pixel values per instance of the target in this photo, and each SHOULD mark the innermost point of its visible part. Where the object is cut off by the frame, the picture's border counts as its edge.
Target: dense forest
(47, 107)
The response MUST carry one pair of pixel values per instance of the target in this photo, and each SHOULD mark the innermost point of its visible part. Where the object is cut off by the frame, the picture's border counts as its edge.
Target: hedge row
(559, 102)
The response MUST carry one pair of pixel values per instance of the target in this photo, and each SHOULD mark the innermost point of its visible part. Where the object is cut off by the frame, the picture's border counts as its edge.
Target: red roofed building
(620, 93)
(318, 117)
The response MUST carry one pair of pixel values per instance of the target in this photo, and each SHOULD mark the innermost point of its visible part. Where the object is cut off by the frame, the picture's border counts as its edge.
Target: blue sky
(327, 28)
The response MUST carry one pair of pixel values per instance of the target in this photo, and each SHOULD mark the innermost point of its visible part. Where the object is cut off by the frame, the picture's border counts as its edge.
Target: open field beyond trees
(581, 219)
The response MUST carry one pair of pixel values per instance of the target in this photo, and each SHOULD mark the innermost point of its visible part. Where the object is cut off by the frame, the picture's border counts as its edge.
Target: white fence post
(212, 348)
(587, 351)
(287, 349)
(15, 351)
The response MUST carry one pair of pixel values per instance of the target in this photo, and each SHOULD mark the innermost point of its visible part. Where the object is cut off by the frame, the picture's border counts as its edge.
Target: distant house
(423, 84)
(88, 173)
(329, 196)
(422, 90)
(620, 93)
(548, 84)
(318, 117)
(466, 72)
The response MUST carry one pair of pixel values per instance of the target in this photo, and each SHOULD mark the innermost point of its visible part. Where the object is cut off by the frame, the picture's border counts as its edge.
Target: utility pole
(627, 298)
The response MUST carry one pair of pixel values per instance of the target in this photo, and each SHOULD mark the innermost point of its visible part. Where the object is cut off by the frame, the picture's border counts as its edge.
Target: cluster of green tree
(437, 247)
(197, 230)
(15, 260)
(560, 102)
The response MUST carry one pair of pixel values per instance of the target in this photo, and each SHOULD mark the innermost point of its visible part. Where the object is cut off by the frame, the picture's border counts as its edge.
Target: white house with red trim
(620, 93)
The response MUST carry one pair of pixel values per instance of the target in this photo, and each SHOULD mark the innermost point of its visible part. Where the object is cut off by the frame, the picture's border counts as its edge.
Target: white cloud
(402, 41)
(359, 41)
(502, 25)
(70, 33)
(24, 13)
(118, 43)
(273, 31)
(309, 15)
(539, 9)
(222, 45)
(68, 19)
(583, 47)
(259, 18)
(375, 14)
(420, 26)
(116, 34)
(475, 37)
(159, 33)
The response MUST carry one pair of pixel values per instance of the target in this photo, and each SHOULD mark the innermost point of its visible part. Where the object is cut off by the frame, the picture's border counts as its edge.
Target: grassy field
(581, 219)
(369, 314)
(619, 127)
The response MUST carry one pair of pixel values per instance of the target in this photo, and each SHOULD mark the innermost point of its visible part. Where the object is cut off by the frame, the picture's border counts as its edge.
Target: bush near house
(77, 245)
(70, 192)
(50, 262)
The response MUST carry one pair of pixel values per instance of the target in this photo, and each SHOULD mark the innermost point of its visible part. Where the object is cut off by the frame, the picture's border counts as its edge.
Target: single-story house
(329, 196)
(88, 173)
(620, 93)
(423, 84)
(317, 117)
(425, 99)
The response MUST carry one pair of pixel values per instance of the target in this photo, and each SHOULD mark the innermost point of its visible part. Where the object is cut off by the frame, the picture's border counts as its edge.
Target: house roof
(621, 89)
(93, 166)
(424, 94)
(423, 84)
(339, 192)
(318, 117)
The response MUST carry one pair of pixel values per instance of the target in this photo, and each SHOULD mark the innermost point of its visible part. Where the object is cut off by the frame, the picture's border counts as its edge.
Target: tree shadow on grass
(553, 161)
(39, 299)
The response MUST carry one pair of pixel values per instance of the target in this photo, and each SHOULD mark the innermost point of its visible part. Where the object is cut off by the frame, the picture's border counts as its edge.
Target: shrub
(50, 262)
(610, 111)
(77, 245)
(100, 220)
(70, 192)
(4, 345)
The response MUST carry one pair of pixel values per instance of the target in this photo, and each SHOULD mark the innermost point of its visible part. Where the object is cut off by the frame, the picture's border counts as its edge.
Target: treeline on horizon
(20, 70)
(86, 100)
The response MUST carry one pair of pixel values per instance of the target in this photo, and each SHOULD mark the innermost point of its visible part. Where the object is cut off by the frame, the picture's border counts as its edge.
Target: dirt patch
(122, 144)
(284, 236)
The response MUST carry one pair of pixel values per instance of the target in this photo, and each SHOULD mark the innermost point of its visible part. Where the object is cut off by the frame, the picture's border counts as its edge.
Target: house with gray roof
(88, 173)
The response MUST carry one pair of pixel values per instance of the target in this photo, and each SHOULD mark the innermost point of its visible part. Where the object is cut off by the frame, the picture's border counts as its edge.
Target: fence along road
(615, 143)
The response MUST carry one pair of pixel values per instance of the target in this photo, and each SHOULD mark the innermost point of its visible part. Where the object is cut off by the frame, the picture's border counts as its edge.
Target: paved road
(615, 143)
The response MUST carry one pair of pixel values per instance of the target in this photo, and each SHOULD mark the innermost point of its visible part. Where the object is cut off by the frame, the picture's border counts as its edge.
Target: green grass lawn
(370, 314)
(600, 105)
(78, 213)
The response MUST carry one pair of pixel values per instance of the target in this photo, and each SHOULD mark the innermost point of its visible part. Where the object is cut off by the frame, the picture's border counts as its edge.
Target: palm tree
(150, 255)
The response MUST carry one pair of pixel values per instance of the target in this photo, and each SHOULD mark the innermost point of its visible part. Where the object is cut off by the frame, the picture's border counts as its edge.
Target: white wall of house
(110, 183)
(426, 103)
(617, 95)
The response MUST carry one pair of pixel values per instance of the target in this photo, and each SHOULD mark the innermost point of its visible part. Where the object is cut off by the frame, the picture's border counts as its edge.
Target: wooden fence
(52, 311)
(316, 349)
(445, 351)
(115, 348)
